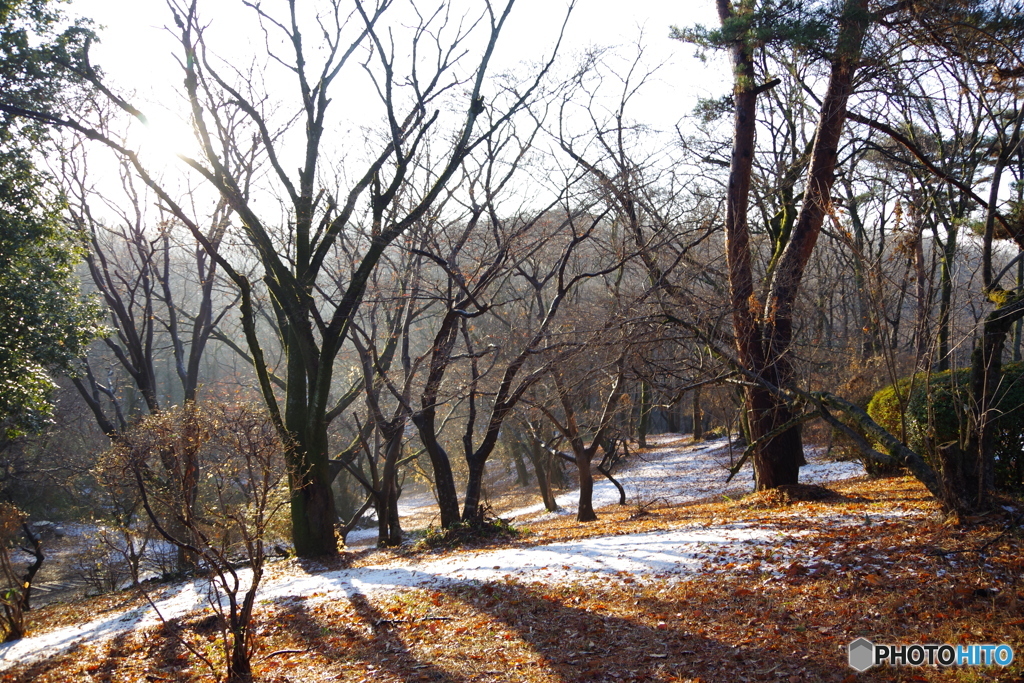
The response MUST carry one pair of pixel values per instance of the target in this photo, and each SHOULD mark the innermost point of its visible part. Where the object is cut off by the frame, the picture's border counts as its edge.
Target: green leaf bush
(939, 405)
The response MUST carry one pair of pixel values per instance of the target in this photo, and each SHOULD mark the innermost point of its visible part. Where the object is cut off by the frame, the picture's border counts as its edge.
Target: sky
(138, 54)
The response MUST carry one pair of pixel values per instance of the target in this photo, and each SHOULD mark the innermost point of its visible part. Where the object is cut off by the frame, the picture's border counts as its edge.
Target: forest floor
(759, 587)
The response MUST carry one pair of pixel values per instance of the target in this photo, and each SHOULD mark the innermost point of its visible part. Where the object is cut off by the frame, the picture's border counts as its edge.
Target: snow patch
(670, 474)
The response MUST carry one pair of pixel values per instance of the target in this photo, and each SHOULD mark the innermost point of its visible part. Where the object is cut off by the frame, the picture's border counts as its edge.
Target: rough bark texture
(472, 510)
(444, 479)
(426, 421)
(389, 531)
(312, 499)
(764, 336)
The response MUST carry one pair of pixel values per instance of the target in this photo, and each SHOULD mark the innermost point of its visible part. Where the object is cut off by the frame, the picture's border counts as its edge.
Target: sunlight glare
(164, 137)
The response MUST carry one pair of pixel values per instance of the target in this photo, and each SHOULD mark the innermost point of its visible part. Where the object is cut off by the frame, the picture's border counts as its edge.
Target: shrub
(468, 533)
(17, 586)
(211, 479)
(938, 407)
(843, 447)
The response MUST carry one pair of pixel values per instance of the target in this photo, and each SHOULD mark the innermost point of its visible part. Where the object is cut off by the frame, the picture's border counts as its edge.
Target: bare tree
(314, 324)
(547, 255)
(134, 263)
(383, 339)
(570, 427)
(243, 489)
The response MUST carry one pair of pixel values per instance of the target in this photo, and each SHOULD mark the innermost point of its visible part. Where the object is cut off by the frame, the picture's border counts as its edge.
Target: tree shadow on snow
(562, 635)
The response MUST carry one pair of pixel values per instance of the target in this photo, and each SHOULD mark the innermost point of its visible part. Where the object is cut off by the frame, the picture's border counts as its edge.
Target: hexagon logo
(862, 654)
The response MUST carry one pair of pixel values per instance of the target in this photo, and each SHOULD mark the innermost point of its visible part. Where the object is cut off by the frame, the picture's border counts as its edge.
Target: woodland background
(505, 271)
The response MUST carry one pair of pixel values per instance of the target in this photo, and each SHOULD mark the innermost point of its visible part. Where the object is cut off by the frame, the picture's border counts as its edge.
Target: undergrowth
(485, 531)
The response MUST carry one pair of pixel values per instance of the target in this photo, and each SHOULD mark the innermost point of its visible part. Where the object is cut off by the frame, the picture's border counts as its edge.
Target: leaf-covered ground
(875, 560)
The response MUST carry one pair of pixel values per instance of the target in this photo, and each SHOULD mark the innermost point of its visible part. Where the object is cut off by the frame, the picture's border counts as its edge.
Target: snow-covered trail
(662, 554)
(668, 474)
(673, 475)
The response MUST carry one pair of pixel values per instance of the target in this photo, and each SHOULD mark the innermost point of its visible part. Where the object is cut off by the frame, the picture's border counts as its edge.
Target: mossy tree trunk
(764, 331)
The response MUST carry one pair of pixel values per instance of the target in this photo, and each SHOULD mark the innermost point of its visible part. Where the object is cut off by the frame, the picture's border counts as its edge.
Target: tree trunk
(763, 341)
(426, 420)
(584, 455)
(390, 530)
(672, 418)
(547, 493)
(698, 416)
(608, 461)
(471, 510)
(643, 424)
(444, 479)
(762, 406)
(312, 500)
(557, 476)
(394, 521)
(542, 466)
(946, 297)
(522, 474)
(585, 512)
(777, 461)
(239, 670)
(956, 487)
(868, 322)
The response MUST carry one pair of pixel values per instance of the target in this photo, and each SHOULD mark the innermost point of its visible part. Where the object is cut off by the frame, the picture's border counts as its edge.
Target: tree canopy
(44, 321)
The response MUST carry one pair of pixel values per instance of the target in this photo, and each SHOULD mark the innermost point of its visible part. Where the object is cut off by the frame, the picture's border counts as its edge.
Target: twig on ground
(275, 653)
